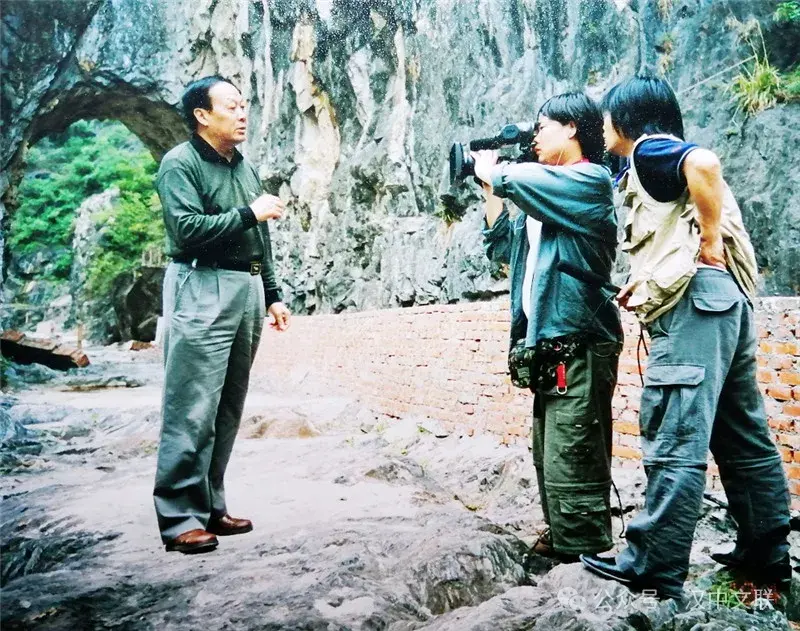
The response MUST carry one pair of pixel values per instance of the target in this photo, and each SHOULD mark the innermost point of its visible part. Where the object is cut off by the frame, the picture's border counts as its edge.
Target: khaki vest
(663, 242)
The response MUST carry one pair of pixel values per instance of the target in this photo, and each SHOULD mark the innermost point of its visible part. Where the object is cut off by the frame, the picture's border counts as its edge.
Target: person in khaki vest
(692, 281)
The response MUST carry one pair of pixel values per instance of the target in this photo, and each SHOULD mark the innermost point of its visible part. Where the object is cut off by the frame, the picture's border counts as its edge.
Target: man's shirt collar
(209, 154)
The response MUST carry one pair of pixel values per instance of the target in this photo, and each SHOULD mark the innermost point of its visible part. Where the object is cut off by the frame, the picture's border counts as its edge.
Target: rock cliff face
(354, 105)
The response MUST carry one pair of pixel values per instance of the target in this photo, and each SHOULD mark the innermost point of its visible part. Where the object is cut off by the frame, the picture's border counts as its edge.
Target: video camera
(462, 164)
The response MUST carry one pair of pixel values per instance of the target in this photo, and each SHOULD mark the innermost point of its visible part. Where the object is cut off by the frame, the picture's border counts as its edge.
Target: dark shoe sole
(191, 548)
(634, 586)
(229, 531)
(602, 573)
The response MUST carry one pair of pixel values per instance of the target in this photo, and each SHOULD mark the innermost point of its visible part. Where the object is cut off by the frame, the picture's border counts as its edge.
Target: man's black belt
(252, 267)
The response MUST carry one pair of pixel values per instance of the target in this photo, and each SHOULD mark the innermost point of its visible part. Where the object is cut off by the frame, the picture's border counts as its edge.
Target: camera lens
(461, 163)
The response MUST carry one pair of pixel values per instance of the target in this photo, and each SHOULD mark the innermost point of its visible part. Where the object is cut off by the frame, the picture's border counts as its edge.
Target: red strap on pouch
(561, 377)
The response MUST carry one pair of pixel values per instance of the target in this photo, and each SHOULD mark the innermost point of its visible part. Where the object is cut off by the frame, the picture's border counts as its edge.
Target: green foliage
(449, 210)
(63, 170)
(133, 225)
(758, 88)
(791, 85)
(725, 592)
(762, 85)
(5, 365)
(788, 12)
(667, 58)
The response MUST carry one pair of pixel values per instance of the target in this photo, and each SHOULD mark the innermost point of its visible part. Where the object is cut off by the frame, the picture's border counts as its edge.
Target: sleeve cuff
(248, 217)
(679, 170)
(498, 185)
(498, 225)
(271, 296)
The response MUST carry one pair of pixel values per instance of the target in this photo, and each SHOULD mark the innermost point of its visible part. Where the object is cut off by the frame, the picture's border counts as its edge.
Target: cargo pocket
(580, 449)
(713, 303)
(638, 227)
(585, 524)
(668, 398)
(674, 267)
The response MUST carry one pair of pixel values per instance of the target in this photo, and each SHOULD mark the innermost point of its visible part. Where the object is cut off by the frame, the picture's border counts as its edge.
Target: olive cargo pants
(572, 451)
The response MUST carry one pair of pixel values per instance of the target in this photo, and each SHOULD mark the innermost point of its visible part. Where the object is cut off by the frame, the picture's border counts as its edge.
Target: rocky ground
(361, 523)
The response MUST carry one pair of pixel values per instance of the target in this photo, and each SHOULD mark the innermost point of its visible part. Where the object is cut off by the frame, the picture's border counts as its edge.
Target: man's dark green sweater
(205, 199)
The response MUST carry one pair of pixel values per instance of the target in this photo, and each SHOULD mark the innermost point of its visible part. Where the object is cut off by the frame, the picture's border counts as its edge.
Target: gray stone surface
(354, 106)
(363, 523)
(136, 298)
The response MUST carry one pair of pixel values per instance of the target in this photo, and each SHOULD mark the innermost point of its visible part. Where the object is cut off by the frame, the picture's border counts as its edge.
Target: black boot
(606, 567)
(734, 558)
(752, 557)
(775, 576)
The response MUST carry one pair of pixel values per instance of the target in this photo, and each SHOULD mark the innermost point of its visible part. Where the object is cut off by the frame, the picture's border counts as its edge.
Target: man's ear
(201, 116)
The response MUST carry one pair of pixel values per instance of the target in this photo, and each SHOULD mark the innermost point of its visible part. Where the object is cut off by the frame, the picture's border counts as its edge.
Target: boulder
(136, 298)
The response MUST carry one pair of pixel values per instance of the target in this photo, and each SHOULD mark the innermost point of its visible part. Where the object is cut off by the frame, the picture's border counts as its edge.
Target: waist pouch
(521, 364)
(536, 367)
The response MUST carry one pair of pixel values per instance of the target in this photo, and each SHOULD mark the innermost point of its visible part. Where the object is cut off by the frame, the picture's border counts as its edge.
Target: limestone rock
(136, 298)
(96, 316)
(354, 106)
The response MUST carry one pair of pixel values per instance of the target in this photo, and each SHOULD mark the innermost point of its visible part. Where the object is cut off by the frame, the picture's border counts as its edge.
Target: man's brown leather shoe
(193, 542)
(227, 525)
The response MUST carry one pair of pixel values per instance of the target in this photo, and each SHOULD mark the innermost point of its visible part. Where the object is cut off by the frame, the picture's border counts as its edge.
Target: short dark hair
(196, 95)
(643, 105)
(576, 107)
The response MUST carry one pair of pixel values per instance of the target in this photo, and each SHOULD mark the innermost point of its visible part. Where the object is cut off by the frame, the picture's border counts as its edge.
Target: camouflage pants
(572, 451)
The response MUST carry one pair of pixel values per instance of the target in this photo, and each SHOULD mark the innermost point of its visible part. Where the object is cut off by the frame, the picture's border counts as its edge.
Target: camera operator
(571, 330)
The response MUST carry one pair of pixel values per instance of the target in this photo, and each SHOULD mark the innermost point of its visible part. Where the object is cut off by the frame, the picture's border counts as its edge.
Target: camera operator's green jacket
(579, 226)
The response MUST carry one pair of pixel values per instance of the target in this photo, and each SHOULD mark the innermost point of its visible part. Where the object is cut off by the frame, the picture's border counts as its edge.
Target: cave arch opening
(84, 235)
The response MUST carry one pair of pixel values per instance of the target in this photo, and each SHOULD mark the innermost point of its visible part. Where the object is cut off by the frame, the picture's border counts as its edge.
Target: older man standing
(217, 289)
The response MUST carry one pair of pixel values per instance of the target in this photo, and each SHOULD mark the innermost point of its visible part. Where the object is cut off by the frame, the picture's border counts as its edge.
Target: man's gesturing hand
(267, 207)
(281, 315)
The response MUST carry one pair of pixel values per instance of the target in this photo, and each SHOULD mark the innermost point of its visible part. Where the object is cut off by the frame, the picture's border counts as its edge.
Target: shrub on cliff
(62, 171)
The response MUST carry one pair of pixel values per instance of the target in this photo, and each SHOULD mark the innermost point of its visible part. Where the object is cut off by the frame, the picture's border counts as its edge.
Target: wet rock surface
(362, 523)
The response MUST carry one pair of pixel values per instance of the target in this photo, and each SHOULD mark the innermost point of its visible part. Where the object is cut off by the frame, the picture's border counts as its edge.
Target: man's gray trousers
(701, 392)
(213, 321)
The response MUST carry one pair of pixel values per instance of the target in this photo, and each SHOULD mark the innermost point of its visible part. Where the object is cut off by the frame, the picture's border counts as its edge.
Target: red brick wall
(448, 362)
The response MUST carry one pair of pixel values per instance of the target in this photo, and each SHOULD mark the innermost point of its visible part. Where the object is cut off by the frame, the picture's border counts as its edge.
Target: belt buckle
(255, 268)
